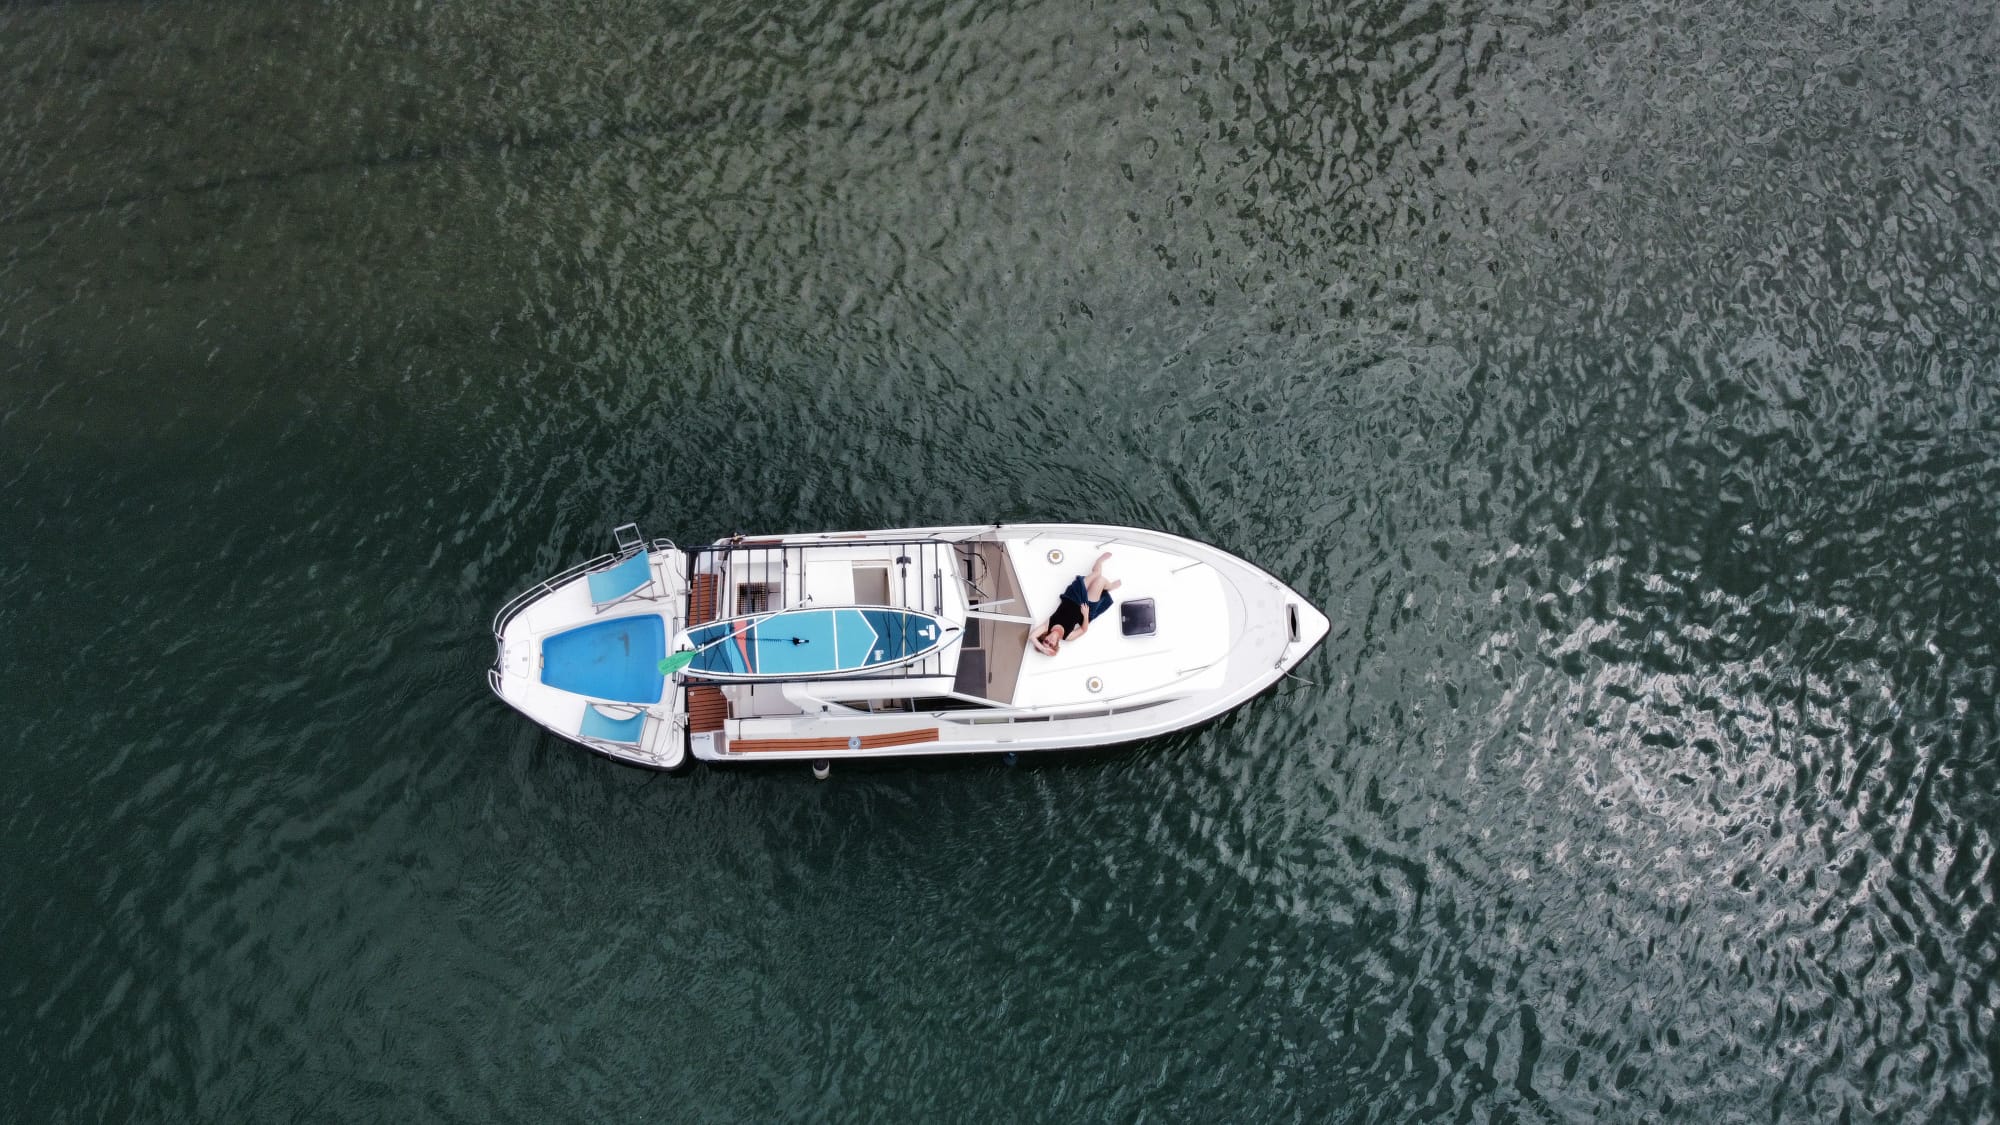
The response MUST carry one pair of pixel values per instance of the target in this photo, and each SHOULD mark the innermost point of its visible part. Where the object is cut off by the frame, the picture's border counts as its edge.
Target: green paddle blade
(676, 662)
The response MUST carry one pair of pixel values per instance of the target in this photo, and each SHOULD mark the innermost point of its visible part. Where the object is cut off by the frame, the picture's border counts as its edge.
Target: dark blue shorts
(1077, 596)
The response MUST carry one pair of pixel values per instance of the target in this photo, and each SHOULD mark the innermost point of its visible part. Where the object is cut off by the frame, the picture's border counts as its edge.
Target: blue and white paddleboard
(811, 642)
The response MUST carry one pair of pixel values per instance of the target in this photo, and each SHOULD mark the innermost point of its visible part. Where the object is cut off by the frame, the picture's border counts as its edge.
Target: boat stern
(580, 654)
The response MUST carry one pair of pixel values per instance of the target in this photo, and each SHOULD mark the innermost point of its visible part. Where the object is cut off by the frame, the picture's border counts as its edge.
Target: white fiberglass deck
(1194, 620)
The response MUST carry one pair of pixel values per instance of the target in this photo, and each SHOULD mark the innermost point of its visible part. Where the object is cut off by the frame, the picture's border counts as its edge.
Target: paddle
(680, 660)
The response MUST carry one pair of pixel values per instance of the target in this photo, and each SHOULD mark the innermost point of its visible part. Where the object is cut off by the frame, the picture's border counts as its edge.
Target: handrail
(774, 543)
(548, 585)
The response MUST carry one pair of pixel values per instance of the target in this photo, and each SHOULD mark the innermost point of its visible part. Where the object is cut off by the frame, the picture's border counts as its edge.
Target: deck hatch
(1136, 617)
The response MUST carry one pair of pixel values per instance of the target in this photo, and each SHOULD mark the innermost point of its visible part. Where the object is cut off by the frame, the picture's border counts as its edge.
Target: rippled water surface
(1621, 379)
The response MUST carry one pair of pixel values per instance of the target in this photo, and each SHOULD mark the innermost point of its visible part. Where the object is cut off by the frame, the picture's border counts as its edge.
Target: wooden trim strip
(795, 745)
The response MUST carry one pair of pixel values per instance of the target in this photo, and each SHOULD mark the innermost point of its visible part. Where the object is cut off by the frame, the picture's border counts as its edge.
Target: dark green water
(1621, 379)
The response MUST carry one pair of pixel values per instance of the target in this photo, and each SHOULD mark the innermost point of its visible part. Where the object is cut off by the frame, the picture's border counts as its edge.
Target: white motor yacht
(874, 644)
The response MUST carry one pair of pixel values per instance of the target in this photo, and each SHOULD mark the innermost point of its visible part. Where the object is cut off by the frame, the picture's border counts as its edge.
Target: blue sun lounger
(629, 577)
(601, 727)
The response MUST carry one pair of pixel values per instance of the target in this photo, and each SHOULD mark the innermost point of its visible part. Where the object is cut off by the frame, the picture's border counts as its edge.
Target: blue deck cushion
(604, 728)
(621, 580)
(614, 659)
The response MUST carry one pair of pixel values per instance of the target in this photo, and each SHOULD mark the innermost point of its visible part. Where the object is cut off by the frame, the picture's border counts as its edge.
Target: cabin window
(755, 597)
(945, 703)
(926, 703)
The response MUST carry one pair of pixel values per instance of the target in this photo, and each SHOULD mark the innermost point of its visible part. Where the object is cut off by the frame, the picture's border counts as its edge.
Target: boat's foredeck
(1192, 621)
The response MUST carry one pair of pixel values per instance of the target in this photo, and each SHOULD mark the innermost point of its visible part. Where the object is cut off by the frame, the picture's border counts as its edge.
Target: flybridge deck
(809, 642)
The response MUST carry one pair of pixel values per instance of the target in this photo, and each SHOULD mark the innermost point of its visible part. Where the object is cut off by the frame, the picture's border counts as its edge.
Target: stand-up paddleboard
(808, 643)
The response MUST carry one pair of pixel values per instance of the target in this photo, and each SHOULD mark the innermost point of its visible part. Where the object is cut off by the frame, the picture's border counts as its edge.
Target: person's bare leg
(1095, 584)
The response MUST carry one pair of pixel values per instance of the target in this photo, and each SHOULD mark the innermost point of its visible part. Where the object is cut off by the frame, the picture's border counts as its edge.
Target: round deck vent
(1094, 683)
(1055, 556)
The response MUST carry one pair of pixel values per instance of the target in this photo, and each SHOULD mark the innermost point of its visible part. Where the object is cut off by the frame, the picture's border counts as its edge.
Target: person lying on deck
(1087, 599)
